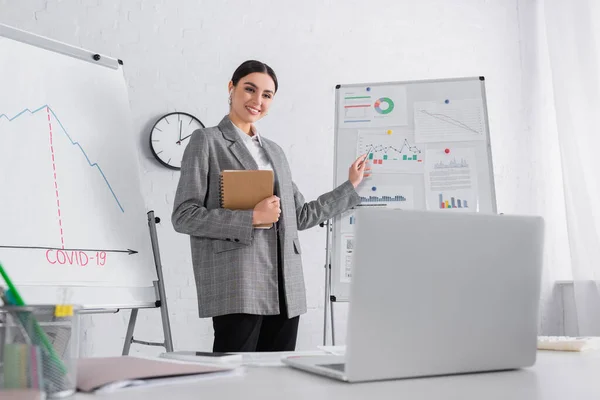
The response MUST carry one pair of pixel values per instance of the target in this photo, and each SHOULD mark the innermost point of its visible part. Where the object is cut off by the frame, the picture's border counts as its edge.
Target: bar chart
(390, 196)
(452, 202)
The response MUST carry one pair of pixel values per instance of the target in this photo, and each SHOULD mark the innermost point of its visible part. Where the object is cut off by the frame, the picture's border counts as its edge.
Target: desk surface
(556, 375)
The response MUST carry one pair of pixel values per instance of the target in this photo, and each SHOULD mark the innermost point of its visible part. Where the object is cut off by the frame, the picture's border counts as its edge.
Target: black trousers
(250, 333)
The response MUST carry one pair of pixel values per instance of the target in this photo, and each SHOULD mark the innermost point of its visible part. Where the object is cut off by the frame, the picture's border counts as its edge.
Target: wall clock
(170, 135)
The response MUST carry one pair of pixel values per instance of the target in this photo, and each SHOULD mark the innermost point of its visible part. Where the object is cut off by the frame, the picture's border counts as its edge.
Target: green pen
(17, 297)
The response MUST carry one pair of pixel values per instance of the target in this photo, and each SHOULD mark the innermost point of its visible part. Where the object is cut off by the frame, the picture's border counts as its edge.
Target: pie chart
(384, 105)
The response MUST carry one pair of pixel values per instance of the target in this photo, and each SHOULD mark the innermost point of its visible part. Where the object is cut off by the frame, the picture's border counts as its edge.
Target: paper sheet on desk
(335, 350)
(273, 359)
(113, 387)
(113, 373)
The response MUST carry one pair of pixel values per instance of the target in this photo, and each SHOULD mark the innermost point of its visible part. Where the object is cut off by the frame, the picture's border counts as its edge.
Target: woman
(250, 281)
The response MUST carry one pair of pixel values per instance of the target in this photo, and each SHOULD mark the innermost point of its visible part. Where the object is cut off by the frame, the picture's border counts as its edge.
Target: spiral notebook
(244, 189)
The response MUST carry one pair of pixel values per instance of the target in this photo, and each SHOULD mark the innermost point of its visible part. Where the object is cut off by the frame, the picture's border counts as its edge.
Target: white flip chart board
(73, 224)
(429, 149)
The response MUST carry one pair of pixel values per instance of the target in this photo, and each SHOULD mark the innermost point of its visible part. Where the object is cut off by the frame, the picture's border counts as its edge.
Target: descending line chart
(449, 120)
(46, 108)
(54, 187)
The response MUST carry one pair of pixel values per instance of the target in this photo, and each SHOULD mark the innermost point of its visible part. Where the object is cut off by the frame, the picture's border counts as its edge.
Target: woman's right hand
(267, 211)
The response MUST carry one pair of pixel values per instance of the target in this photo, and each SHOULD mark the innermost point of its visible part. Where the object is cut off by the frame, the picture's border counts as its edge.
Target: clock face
(170, 136)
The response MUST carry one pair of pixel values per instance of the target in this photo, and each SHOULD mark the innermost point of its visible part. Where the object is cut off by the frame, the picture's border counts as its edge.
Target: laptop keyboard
(337, 367)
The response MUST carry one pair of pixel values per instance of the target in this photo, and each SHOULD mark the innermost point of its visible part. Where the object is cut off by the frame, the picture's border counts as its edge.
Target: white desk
(556, 375)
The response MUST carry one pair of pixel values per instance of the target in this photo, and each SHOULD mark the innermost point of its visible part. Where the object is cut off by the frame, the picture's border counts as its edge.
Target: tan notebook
(244, 189)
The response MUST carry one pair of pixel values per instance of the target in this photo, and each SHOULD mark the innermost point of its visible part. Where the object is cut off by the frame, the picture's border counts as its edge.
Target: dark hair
(251, 66)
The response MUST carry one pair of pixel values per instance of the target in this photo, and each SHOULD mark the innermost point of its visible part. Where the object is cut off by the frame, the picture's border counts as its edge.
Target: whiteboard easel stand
(161, 301)
(328, 303)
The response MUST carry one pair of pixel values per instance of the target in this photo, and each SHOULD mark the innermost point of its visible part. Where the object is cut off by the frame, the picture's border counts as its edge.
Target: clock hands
(181, 140)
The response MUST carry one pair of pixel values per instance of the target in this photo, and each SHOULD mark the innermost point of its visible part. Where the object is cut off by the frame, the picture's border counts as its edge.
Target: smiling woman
(250, 94)
(248, 280)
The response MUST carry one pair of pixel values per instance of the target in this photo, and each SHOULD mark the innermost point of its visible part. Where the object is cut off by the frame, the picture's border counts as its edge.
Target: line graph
(406, 152)
(95, 165)
(390, 153)
(449, 120)
(63, 203)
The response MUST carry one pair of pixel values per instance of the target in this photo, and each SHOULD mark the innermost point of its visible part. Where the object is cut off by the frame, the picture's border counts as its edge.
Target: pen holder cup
(39, 345)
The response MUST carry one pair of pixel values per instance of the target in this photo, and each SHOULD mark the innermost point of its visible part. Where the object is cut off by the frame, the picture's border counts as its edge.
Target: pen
(366, 157)
(17, 297)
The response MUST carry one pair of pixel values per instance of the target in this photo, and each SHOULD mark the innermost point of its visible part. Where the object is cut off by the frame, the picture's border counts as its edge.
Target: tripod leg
(130, 328)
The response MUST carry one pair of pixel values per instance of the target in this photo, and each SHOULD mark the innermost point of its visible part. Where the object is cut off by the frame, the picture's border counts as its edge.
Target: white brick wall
(179, 55)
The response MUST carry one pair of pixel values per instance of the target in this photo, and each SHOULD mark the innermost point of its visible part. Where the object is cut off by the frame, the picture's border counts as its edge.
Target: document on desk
(273, 359)
(339, 350)
(108, 374)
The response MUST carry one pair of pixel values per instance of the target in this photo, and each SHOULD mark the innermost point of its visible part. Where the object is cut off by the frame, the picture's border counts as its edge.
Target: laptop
(438, 293)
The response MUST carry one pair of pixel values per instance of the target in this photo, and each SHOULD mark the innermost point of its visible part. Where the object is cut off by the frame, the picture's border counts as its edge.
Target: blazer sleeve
(326, 206)
(190, 215)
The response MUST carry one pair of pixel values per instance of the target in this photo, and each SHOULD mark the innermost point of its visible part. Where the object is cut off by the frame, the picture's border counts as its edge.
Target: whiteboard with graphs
(429, 149)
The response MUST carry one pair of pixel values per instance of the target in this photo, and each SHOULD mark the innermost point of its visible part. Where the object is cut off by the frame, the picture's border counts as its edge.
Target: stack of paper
(112, 373)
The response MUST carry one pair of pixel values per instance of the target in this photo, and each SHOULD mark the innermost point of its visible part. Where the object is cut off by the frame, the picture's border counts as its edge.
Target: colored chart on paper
(390, 196)
(446, 202)
(384, 105)
(373, 107)
(451, 183)
(390, 153)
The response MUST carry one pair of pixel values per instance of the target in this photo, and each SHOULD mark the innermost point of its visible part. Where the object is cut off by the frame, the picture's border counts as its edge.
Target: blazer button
(229, 240)
(236, 240)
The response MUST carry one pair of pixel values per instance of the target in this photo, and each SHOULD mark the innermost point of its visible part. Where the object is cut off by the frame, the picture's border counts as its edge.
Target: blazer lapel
(237, 147)
(276, 162)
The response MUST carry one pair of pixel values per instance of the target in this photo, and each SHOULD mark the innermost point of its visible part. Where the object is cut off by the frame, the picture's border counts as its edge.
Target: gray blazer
(235, 266)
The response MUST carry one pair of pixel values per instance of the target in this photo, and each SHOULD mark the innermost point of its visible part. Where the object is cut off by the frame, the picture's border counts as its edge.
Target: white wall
(547, 193)
(179, 55)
